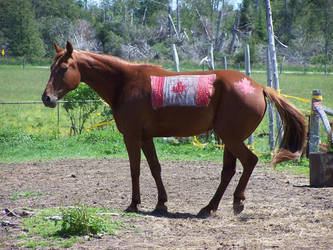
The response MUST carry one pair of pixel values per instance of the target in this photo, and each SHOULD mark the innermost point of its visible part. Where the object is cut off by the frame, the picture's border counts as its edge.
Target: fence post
(175, 57)
(270, 109)
(314, 122)
(24, 62)
(225, 65)
(247, 60)
(272, 49)
(211, 56)
(58, 120)
(281, 68)
(248, 73)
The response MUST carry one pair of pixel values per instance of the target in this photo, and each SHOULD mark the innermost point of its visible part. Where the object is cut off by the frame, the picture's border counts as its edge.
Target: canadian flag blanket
(181, 90)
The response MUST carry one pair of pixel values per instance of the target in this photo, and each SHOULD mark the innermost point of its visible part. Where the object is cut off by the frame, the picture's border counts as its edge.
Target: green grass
(17, 84)
(62, 227)
(26, 194)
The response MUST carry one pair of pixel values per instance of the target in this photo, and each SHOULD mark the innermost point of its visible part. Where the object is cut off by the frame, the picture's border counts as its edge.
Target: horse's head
(64, 77)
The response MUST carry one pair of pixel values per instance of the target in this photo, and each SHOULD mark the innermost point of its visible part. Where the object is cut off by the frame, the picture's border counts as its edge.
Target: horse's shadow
(170, 215)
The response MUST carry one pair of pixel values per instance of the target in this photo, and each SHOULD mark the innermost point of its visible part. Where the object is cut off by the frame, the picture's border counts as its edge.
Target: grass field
(30, 132)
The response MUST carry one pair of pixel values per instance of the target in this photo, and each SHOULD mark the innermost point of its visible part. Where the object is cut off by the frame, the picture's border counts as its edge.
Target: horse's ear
(57, 48)
(69, 48)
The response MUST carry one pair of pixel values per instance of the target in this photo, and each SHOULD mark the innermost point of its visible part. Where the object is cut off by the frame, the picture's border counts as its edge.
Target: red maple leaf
(179, 88)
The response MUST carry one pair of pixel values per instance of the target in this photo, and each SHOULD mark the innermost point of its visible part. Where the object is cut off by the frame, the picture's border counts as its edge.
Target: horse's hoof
(160, 210)
(204, 213)
(132, 209)
(238, 207)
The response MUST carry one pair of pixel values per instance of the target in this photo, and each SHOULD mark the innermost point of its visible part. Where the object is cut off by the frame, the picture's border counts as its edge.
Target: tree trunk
(203, 25)
(175, 57)
(178, 17)
(272, 50)
(144, 17)
(124, 14)
(234, 33)
(219, 21)
(326, 36)
(173, 25)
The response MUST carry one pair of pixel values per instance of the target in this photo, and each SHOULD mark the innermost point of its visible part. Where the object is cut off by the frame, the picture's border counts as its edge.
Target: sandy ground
(281, 210)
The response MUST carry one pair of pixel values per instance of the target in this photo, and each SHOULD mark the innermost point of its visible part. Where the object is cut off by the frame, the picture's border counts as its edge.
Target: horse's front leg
(149, 150)
(133, 145)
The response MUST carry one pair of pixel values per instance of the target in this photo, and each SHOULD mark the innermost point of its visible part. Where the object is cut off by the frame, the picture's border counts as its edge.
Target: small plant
(80, 221)
(80, 112)
(62, 227)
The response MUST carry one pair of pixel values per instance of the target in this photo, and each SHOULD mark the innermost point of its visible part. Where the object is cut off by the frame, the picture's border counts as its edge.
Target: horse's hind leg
(249, 161)
(228, 171)
(148, 149)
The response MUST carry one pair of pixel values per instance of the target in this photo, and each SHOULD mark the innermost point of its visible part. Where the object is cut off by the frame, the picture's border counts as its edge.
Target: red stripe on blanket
(204, 90)
(157, 91)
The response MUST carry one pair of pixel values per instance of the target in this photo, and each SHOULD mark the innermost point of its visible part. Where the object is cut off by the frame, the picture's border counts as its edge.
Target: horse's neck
(102, 73)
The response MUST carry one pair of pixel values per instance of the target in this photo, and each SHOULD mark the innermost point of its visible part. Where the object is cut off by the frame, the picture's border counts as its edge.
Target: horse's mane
(112, 61)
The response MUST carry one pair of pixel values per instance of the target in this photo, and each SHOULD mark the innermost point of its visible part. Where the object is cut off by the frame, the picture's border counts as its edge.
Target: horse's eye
(63, 69)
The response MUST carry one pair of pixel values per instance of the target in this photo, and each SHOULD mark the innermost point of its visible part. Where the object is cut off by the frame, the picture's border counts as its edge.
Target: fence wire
(34, 118)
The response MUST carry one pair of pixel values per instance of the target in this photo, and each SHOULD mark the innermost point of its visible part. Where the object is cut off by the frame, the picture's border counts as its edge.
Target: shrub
(79, 112)
(79, 221)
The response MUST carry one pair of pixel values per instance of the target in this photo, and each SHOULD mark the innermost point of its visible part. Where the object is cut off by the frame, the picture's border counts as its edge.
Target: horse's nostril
(45, 98)
(49, 101)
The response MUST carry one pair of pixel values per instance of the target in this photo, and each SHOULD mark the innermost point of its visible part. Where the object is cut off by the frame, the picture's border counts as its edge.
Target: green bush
(320, 59)
(80, 221)
(79, 112)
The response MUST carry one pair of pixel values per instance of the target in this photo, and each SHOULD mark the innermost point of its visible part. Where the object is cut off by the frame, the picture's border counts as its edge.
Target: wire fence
(34, 118)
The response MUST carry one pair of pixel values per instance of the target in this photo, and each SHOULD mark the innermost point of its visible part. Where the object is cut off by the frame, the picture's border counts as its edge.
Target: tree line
(145, 29)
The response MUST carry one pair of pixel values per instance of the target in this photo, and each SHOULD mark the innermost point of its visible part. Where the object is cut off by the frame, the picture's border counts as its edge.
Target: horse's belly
(181, 122)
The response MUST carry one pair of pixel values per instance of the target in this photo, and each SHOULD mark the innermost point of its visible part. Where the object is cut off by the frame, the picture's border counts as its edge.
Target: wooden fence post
(270, 33)
(248, 73)
(24, 62)
(211, 56)
(314, 122)
(270, 109)
(247, 60)
(175, 57)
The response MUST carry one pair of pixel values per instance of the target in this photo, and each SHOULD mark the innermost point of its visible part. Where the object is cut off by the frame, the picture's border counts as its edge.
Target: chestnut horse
(233, 112)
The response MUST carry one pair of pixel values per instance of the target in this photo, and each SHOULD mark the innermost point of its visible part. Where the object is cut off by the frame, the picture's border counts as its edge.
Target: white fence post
(248, 73)
(225, 65)
(175, 57)
(270, 109)
(272, 50)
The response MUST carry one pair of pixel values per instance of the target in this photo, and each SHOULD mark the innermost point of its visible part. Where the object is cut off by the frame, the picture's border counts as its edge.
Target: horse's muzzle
(49, 101)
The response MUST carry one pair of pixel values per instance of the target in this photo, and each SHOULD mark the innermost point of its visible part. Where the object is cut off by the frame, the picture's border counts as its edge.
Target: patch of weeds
(26, 194)
(42, 231)
(62, 227)
(80, 220)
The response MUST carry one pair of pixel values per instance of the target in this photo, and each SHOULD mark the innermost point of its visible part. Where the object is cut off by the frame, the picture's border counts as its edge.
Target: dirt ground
(281, 210)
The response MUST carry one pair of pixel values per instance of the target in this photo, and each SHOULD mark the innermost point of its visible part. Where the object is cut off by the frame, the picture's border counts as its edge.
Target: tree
(320, 22)
(24, 38)
(56, 8)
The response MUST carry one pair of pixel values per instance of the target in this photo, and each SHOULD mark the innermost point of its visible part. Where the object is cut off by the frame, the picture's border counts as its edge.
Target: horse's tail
(294, 136)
